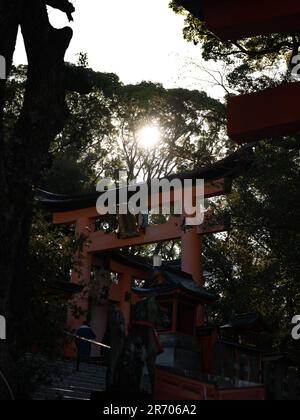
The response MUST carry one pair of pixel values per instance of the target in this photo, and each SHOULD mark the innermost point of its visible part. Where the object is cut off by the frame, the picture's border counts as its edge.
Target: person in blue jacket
(83, 347)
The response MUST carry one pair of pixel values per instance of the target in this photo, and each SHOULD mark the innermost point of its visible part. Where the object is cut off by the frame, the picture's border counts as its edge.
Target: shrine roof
(177, 280)
(229, 168)
(253, 322)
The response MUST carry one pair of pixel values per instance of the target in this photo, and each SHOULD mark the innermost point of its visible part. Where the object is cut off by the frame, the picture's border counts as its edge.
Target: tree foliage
(101, 135)
(99, 139)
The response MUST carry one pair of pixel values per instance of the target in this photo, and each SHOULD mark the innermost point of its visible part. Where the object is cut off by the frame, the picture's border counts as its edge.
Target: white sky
(136, 39)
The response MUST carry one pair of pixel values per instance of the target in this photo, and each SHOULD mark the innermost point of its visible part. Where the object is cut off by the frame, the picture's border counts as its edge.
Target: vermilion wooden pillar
(81, 274)
(237, 19)
(263, 115)
(192, 263)
(191, 243)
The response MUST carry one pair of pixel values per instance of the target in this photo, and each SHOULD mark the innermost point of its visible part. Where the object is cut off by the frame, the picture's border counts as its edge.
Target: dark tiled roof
(178, 280)
(228, 168)
(252, 322)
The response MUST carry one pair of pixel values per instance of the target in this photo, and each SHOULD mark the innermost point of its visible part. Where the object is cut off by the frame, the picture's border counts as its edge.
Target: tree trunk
(24, 154)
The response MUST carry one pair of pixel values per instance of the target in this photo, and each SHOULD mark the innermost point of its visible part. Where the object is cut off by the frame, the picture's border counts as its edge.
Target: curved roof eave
(229, 168)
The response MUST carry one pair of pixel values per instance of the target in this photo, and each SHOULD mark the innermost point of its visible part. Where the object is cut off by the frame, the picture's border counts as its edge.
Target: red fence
(173, 387)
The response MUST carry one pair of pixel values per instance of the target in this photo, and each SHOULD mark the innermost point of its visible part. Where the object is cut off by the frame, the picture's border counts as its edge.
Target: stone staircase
(67, 384)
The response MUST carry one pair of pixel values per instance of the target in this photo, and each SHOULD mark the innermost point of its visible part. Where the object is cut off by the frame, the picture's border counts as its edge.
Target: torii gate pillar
(192, 262)
(81, 274)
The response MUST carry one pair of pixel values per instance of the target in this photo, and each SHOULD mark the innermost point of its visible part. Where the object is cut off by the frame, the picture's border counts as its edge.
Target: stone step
(95, 377)
(84, 385)
(68, 384)
(66, 398)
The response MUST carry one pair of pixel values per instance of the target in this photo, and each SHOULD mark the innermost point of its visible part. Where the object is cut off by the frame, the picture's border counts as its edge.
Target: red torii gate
(275, 111)
(96, 242)
(81, 212)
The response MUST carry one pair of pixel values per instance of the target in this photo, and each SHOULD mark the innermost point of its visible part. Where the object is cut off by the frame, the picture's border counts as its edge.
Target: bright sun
(149, 136)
